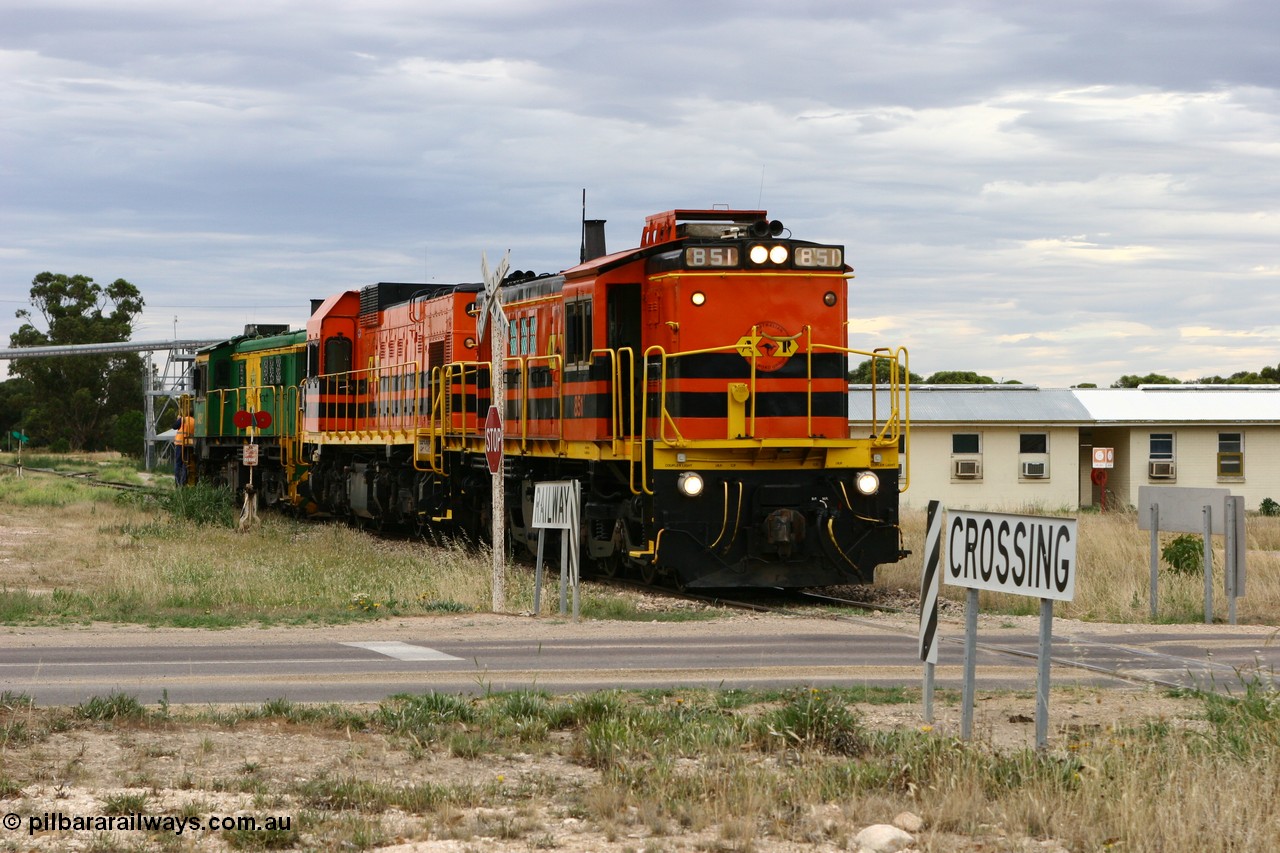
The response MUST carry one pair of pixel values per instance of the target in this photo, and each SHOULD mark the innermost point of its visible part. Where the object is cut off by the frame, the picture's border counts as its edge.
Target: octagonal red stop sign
(493, 439)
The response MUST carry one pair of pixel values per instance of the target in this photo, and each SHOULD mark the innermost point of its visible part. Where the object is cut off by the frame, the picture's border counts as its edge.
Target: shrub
(201, 504)
(1184, 554)
(1269, 507)
(116, 706)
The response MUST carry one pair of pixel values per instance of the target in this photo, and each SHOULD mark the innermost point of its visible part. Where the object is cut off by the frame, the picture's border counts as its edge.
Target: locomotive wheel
(610, 566)
(648, 573)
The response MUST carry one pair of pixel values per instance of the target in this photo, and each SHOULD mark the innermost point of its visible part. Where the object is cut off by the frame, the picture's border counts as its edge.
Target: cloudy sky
(1044, 191)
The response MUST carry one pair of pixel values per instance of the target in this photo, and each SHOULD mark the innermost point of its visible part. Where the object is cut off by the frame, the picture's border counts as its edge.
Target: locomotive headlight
(759, 254)
(690, 484)
(778, 254)
(867, 482)
(829, 298)
(698, 297)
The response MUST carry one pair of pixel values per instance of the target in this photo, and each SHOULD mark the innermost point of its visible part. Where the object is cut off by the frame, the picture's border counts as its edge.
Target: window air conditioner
(1035, 470)
(1162, 470)
(968, 468)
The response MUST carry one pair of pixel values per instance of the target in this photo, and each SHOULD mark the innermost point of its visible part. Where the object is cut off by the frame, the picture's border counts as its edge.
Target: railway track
(87, 477)
(1128, 662)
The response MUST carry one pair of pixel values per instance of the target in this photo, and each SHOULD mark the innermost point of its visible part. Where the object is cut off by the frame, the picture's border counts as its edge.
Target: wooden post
(492, 313)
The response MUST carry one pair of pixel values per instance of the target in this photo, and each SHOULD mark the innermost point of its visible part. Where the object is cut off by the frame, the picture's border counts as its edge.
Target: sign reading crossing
(493, 439)
(1019, 554)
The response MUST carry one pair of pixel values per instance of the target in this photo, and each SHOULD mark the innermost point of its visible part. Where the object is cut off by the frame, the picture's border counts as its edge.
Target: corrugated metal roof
(968, 404)
(1031, 404)
(1182, 403)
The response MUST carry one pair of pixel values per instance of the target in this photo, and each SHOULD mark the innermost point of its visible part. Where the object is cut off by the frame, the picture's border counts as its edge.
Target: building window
(1160, 464)
(1033, 456)
(1033, 442)
(1161, 446)
(966, 464)
(1231, 454)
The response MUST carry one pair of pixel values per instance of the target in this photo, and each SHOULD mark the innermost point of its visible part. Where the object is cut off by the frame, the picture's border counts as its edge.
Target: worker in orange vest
(184, 431)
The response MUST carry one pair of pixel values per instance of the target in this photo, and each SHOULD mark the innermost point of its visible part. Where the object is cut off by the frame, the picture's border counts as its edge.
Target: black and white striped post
(929, 583)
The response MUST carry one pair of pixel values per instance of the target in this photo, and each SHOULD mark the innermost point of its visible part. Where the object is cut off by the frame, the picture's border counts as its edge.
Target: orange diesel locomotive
(695, 386)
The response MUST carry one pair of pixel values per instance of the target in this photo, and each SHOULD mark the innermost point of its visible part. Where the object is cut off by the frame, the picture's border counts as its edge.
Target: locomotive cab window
(577, 332)
(313, 359)
(222, 374)
(199, 380)
(337, 354)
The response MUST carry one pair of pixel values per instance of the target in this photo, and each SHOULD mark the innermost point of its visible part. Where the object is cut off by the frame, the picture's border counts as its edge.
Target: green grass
(49, 492)
(116, 706)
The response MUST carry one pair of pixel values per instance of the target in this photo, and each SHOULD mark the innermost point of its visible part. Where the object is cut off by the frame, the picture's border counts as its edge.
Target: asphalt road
(369, 663)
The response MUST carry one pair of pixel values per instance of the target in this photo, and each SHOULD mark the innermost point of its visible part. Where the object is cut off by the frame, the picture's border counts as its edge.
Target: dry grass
(1113, 579)
(98, 556)
(664, 770)
(113, 559)
(73, 552)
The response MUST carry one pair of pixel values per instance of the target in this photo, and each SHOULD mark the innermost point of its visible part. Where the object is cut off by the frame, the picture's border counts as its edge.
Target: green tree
(861, 375)
(76, 399)
(15, 396)
(127, 433)
(959, 377)
(1133, 381)
(1266, 376)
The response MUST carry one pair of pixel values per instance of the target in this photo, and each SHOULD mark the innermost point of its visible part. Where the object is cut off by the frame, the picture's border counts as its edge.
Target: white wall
(1001, 486)
(1195, 451)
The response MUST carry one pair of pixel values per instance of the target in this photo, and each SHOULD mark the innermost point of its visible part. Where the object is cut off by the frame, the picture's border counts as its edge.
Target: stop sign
(493, 439)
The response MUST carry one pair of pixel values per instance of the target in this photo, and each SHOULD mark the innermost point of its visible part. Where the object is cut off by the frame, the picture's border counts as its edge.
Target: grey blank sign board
(1182, 509)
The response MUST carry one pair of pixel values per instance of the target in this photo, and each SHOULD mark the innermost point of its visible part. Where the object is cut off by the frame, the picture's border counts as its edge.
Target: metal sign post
(1208, 564)
(1189, 510)
(1155, 558)
(1235, 548)
(492, 310)
(970, 663)
(21, 436)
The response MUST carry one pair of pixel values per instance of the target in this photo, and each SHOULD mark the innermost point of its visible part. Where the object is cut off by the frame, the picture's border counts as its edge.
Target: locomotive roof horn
(766, 228)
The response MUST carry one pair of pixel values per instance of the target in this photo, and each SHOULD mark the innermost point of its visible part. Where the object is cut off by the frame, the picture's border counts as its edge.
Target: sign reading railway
(1020, 554)
(493, 439)
(555, 505)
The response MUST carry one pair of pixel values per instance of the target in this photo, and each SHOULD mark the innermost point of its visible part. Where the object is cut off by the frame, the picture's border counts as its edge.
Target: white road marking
(403, 651)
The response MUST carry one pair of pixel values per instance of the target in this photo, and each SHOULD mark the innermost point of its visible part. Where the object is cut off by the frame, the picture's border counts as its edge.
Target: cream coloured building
(1027, 449)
